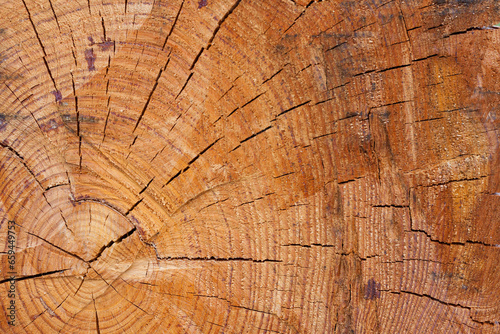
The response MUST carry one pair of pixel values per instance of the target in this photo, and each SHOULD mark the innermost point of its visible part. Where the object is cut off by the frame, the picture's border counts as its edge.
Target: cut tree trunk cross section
(249, 166)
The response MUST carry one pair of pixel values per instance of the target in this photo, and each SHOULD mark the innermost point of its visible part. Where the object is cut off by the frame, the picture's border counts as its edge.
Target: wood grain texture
(250, 166)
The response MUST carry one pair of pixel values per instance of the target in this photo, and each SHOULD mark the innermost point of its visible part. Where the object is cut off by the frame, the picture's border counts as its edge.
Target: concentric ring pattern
(250, 166)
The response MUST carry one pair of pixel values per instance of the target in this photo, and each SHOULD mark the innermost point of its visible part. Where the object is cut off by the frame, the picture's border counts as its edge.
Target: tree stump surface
(249, 166)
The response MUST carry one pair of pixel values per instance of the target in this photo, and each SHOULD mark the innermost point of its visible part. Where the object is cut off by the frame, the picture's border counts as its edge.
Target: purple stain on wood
(3, 123)
(91, 40)
(106, 45)
(49, 126)
(57, 95)
(372, 289)
(90, 58)
(202, 3)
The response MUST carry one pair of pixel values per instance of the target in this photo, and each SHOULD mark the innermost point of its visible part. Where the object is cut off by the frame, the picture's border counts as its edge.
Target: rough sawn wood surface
(250, 166)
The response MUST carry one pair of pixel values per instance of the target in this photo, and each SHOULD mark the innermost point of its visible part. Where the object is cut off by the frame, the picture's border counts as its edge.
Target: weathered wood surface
(250, 166)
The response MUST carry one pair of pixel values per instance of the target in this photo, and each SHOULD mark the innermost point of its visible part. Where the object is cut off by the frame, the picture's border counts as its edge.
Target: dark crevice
(424, 58)
(256, 134)
(203, 151)
(331, 98)
(196, 59)
(422, 260)
(50, 73)
(41, 45)
(21, 103)
(97, 321)
(282, 175)
(246, 103)
(213, 258)
(393, 68)
(305, 68)
(336, 46)
(249, 202)
(103, 28)
(363, 73)
(485, 322)
(191, 162)
(369, 257)
(391, 104)
(77, 112)
(272, 76)
(251, 309)
(435, 27)
(22, 278)
(173, 25)
(81, 283)
(21, 158)
(173, 177)
(293, 108)
(62, 302)
(430, 297)
(401, 42)
(148, 100)
(232, 112)
(325, 135)
(255, 98)
(351, 180)
(385, 3)
(453, 181)
(297, 245)
(429, 119)
(96, 317)
(295, 21)
(111, 243)
(234, 149)
(365, 26)
(219, 24)
(146, 187)
(65, 222)
(459, 109)
(106, 122)
(55, 185)
(55, 16)
(185, 84)
(225, 93)
(101, 202)
(459, 243)
(175, 122)
(134, 206)
(308, 246)
(159, 152)
(466, 31)
(212, 204)
(340, 86)
(133, 142)
(61, 249)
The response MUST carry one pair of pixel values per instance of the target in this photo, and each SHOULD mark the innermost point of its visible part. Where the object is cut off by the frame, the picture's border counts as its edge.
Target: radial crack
(219, 24)
(96, 317)
(213, 258)
(148, 100)
(61, 249)
(173, 25)
(21, 158)
(112, 242)
(41, 45)
(22, 278)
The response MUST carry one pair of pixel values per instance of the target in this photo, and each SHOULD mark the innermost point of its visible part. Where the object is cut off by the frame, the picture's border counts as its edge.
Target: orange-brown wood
(249, 166)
